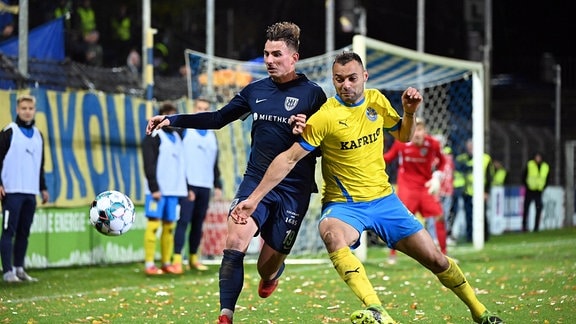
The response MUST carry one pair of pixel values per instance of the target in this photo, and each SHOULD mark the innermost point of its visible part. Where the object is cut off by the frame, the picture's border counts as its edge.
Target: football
(112, 213)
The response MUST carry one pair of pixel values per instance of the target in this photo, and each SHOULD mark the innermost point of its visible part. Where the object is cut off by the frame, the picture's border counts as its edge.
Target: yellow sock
(167, 242)
(177, 258)
(454, 279)
(193, 258)
(150, 240)
(353, 273)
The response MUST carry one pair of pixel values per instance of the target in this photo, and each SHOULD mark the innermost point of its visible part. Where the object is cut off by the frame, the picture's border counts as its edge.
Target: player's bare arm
(276, 172)
(156, 122)
(411, 99)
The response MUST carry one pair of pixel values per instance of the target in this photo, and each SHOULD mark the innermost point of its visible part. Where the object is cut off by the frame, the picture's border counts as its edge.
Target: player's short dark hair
(287, 32)
(346, 57)
(167, 108)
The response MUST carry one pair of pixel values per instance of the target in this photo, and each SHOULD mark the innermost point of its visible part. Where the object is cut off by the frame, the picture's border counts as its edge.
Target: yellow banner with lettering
(92, 143)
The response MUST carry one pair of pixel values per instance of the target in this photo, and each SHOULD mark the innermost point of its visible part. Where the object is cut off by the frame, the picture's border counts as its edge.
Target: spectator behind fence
(6, 22)
(84, 20)
(535, 180)
(22, 178)
(500, 174)
(122, 29)
(93, 51)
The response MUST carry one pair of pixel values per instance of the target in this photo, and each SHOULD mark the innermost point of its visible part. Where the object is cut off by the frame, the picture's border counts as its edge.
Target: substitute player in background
(272, 102)
(164, 168)
(21, 179)
(357, 195)
(420, 172)
(200, 148)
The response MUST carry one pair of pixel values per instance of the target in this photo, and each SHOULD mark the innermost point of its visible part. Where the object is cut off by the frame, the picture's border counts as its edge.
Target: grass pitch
(525, 278)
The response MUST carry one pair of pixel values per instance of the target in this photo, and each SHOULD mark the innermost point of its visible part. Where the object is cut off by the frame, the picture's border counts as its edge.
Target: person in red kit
(420, 171)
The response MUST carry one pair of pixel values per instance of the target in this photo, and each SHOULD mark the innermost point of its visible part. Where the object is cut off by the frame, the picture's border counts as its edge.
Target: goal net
(452, 91)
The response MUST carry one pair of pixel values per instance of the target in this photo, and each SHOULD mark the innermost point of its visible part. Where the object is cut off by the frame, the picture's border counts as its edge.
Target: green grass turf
(525, 278)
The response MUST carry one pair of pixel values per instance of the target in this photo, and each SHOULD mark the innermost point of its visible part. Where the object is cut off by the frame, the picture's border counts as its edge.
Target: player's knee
(438, 262)
(234, 241)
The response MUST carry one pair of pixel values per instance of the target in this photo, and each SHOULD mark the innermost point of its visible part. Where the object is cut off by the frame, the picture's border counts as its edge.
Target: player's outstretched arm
(156, 122)
(411, 99)
(276, 172)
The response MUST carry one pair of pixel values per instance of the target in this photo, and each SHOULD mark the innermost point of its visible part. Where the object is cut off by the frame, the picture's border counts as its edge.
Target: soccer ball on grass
(112, 213)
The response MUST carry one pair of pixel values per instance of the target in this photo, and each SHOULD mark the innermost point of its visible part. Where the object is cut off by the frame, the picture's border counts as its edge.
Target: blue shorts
(166, 208)
(386, 216)
(279, 215)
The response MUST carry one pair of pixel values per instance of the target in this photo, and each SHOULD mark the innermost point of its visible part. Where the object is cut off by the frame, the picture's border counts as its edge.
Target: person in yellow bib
(535, 177)
(500, 174)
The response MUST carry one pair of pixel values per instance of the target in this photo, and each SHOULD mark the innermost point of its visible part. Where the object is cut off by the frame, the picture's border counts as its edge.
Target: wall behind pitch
(92, 143)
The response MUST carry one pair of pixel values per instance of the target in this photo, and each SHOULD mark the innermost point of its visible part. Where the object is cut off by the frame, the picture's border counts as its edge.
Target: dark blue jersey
(270, 105)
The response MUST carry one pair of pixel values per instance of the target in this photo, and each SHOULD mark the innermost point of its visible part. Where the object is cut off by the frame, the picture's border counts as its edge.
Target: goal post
(453, 107)
(446, 109)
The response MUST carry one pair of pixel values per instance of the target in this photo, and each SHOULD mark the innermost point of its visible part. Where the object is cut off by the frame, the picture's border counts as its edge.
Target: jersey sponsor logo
(343, 122)
(292, 218)
(371, 114)
(290, 103)
(271, 118)
(362, 141)
(260, 100)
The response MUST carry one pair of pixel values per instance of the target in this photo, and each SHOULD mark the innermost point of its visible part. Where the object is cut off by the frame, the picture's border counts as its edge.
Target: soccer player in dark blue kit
(279, 106)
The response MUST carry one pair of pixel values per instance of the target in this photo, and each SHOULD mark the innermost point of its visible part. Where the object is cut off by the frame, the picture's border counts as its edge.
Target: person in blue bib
(164, 168)
(22, 170)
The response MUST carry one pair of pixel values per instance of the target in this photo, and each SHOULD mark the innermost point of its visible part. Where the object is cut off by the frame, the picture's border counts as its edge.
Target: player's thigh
(11, 207)
(26, 215)
(171, 209)
(286, 213)
(341, 223)
(421, 248)
(186, 210)
(391, 220)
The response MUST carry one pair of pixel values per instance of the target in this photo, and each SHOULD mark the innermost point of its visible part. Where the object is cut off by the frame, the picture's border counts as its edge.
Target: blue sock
(231, 278)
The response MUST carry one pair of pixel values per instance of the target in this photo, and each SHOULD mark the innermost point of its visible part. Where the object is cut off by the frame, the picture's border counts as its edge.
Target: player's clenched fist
(411, 98)
(298, 122)
(156, 122)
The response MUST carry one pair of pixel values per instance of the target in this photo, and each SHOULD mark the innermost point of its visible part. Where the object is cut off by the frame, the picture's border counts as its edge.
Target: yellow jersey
(351, 139)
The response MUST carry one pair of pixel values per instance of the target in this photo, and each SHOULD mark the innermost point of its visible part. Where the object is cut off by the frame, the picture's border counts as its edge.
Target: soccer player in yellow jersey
(357, 194)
